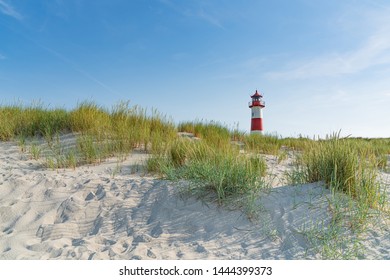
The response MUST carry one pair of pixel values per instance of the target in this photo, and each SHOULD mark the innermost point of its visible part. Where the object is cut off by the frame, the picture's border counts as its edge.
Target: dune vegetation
(215, 159)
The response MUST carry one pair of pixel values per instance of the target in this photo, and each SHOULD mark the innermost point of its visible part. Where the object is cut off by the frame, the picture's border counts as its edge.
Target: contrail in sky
(76, 67)
(64, 59)
(8, 10)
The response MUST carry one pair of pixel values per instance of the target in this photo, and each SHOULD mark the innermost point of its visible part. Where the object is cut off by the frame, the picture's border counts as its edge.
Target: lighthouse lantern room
(256, 105)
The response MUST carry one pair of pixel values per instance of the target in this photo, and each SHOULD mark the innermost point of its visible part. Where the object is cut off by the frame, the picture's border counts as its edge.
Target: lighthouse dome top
(257, 94)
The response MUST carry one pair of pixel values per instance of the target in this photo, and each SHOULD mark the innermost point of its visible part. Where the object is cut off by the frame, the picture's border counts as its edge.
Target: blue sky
(322, 66)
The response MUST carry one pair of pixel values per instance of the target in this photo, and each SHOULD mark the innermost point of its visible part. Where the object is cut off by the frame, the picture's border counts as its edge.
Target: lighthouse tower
(257, 104)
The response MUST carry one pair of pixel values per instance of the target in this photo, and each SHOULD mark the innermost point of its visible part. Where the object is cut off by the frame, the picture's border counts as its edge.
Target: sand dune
(112, 212)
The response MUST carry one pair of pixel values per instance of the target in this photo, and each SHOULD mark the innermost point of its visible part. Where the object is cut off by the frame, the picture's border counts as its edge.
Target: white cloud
(213, 20)
(198, 11)
(8, 10)
(374, 50)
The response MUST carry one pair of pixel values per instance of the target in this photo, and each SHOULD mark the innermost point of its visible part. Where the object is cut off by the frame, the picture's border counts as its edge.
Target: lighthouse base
(256, 132)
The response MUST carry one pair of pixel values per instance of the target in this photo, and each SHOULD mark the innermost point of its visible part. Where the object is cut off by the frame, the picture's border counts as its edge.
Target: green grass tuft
(223, 172)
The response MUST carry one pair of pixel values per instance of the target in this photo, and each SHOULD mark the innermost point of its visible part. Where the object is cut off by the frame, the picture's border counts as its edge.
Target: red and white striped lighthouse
(257, 104)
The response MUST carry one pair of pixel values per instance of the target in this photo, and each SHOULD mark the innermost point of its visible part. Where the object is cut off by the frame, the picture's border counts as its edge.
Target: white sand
(106, 212)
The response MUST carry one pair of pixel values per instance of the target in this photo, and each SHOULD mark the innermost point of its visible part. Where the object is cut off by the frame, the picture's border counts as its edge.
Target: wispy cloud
(77, 68)
(64, 59)
(198, 11)
(212, 19)
(8, 10)
(374, 50)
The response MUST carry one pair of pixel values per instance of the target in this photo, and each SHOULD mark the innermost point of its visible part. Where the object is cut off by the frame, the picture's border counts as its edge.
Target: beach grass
(214, 172)
(214, 133)
(344, 166)
(347, 165)
(210, 163)
(101, 132)
(349, 168)
(218, 163)
(265, 144)
(32, 120)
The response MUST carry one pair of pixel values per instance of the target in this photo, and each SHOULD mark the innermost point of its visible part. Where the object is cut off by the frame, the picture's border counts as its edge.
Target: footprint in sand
(156, 231)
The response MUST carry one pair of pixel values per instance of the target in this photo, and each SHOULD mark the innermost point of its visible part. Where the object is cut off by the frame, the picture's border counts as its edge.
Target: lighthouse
(256, 105)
